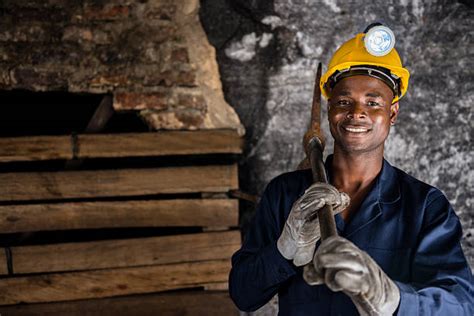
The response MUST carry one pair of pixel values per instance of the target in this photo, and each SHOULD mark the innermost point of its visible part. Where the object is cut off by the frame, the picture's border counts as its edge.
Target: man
(398, 249)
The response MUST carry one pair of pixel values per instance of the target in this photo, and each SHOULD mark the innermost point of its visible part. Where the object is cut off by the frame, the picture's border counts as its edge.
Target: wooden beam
(124, 253)
(223, 286)
(35, 148)
(93, 215)
(169, 304)
(112, 282)
(3, 262)
(160, 144)
(110, 183)
(163, 143)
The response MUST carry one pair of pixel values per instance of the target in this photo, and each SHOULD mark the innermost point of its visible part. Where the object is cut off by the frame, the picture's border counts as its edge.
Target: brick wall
(153, 56)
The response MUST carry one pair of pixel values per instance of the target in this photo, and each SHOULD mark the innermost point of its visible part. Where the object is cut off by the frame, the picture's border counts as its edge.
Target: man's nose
(357, 110)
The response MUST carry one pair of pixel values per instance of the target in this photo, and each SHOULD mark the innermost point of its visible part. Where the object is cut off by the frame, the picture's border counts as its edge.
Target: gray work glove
(301, 232)
(342, 266)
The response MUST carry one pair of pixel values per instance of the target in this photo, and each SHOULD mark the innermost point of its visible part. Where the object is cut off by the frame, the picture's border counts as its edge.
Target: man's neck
(355, 175)
(349, 169)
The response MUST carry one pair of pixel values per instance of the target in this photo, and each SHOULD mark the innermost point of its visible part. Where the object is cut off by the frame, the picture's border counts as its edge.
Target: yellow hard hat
(382, 62)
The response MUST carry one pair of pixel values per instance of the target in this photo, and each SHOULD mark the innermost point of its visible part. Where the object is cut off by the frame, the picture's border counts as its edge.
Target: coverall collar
(387, 185)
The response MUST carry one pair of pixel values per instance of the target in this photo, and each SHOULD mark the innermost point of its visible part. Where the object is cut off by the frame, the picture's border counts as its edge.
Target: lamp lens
(379, 40)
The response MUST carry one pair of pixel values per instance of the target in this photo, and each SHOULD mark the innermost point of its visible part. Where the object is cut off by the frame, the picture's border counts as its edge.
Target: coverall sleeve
(258, 268)
(442, 280)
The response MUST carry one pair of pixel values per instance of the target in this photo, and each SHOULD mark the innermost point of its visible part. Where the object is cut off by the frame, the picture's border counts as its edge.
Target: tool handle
(327, 224)
(325, 215)
(313, 143)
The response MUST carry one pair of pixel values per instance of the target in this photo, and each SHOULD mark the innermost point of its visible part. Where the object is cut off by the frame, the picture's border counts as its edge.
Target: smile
(354, 129)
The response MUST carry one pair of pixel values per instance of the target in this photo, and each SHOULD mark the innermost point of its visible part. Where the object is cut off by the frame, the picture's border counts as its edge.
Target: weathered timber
(89, 215)
(111, 282)
(163, 143)
(35, 148)
(222, 286)
(3, 262)
(124, 182)
(165, 304)
(124, 253)
(215, 228)
(160, 144)
(213, 195)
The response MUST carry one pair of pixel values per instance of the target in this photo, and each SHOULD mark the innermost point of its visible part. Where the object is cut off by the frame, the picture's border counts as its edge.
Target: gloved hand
(301, 231)
(342, 266)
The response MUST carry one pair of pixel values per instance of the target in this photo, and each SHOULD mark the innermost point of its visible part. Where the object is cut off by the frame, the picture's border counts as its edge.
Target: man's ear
(394, 113)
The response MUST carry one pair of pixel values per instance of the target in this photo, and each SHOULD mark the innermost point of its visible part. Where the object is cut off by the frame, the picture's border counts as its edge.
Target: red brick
(180, 55)
(191, 118)
(66, 54)
(163, 12)
(140, 101)
(164, 33)
(4, 78)
(170, 78)
(76, 34)
(182, 119)
(161, 120)
(38, 14)
(192, 101)
(107, 12)
(186, 78)
(24, 33)
(109, 80)
(40, 79)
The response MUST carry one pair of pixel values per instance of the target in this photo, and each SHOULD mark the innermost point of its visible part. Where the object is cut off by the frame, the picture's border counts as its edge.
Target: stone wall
(267, 53)
(153, 56)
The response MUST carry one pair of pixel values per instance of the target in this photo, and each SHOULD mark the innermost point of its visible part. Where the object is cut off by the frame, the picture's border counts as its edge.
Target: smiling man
(398, 249)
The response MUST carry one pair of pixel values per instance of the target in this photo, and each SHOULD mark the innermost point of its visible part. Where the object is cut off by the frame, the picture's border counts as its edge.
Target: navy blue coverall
(408, 227)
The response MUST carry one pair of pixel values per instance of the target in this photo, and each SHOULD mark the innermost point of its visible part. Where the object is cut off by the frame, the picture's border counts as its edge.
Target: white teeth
(356, 129)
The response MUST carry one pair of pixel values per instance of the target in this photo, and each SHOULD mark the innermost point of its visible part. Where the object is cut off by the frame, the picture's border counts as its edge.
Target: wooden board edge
(111, 282)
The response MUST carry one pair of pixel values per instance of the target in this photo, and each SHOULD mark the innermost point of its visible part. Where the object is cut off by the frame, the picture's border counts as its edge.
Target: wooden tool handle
(313, 143)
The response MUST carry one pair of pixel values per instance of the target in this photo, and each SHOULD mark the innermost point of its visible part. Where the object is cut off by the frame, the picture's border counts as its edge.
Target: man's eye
(343, 102)
(373, 103)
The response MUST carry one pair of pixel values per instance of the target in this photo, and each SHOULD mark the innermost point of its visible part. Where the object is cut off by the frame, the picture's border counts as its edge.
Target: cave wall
(267, 53)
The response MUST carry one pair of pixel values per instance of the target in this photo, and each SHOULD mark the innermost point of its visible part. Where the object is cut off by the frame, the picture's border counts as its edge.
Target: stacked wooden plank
(93, 271)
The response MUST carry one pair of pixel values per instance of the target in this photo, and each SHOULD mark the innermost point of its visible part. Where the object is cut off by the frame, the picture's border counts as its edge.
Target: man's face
(360, 114)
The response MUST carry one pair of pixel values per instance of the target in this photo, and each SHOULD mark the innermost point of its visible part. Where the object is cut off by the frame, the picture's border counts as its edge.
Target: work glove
(342, 266)
(301, 231)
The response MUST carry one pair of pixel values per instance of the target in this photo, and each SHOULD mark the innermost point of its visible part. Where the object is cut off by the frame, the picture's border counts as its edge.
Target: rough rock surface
(267, 53)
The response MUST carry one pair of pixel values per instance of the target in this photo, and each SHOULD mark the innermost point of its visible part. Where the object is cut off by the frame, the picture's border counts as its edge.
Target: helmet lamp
(379, 40)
